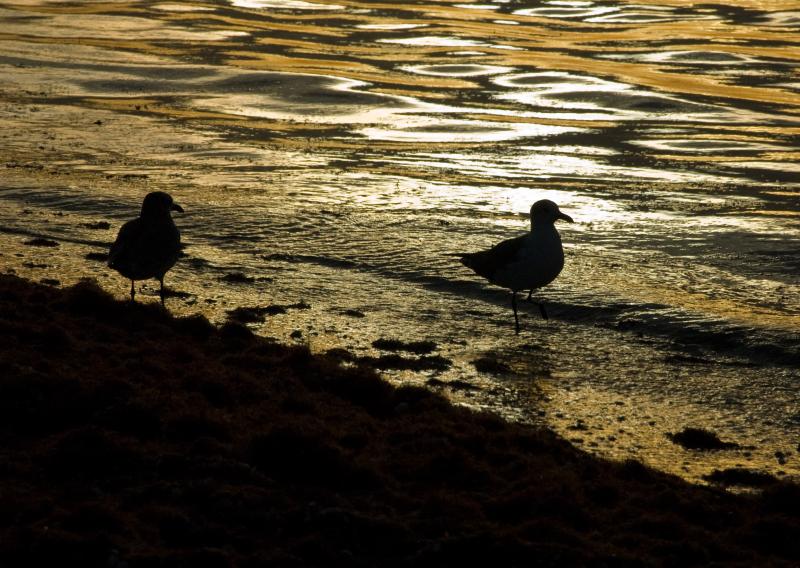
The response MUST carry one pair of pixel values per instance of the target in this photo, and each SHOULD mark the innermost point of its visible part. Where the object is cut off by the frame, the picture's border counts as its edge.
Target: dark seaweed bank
(132, 438)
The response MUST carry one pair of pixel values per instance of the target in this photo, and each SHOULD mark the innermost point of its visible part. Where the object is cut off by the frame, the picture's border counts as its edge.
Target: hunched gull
(148, 246)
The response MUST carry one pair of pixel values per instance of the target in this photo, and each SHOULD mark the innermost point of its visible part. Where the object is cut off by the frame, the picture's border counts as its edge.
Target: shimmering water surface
(339, 152)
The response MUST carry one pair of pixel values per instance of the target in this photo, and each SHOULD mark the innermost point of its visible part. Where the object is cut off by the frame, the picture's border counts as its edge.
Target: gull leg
(161, 291)
(133, 292)
(514, 307)
(540, 304)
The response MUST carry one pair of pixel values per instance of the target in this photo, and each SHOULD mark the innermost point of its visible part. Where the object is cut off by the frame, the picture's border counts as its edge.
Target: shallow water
(340, 152)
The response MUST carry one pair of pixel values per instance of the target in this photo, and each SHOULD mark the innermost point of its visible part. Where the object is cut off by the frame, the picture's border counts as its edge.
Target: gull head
(159, 203)
(546, 211)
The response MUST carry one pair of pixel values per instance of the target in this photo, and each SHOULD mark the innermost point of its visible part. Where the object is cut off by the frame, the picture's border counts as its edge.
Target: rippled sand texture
(339, 152)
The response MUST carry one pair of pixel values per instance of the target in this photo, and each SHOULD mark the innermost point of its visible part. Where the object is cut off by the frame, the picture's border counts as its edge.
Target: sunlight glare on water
(284, 5)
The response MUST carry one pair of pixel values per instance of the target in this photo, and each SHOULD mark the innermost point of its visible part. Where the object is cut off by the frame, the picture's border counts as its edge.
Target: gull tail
(462, 256)
(466, 258)
(479, 262)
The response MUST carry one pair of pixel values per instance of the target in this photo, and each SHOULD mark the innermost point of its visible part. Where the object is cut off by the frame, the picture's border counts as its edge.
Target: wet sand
(132, 437)
(335, 154)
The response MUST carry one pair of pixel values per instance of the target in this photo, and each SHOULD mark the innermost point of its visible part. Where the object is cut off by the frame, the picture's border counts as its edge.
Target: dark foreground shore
(131, 438)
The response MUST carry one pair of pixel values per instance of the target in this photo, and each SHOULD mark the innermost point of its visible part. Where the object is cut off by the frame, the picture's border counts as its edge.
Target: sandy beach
(131, 437)
(328, 385)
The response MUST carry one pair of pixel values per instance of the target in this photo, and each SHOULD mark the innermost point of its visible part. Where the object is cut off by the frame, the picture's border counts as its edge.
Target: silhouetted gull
(526, 262)
(147, 247)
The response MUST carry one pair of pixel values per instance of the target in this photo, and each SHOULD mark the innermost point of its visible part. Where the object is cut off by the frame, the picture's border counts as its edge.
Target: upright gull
(526, 262)
(148, 246)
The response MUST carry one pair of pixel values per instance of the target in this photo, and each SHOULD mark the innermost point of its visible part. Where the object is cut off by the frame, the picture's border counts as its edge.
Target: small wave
(762, 346)
(311, 259)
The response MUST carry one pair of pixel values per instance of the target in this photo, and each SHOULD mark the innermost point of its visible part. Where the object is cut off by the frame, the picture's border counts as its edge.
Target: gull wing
(487, 262)
(121, 251)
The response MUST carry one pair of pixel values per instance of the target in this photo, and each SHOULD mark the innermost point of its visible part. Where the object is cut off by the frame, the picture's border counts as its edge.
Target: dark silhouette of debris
(131, 437)
(700, 439)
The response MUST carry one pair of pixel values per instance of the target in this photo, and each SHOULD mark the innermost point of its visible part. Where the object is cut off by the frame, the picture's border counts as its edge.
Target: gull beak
(176, 207)
(565, 217)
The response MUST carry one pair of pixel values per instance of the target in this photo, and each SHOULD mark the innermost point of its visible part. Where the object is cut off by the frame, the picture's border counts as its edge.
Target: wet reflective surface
(340, 152)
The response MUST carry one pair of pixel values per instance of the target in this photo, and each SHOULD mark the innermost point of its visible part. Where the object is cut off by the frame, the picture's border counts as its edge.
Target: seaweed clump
(131, 437)
(491, 365)
(700, 439)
